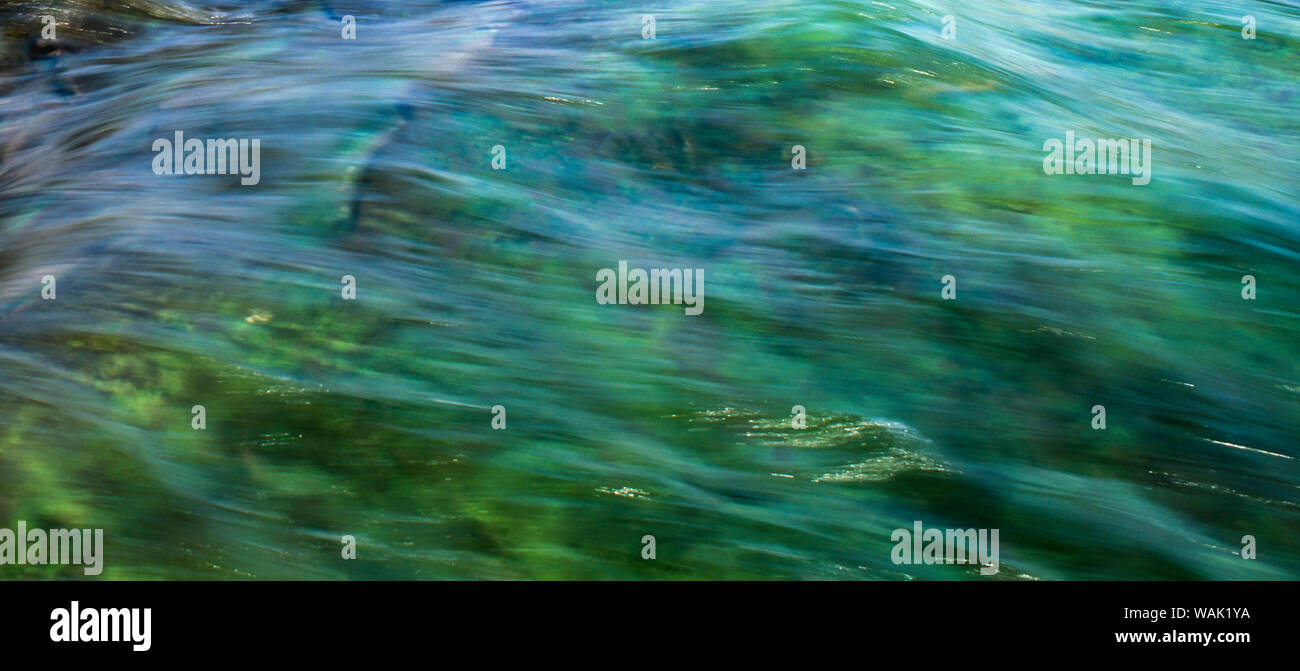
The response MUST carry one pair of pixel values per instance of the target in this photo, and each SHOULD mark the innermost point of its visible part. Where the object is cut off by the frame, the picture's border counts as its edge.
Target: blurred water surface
(476, 288)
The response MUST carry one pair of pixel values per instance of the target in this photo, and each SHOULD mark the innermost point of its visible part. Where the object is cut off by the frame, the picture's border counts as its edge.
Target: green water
(475, 287)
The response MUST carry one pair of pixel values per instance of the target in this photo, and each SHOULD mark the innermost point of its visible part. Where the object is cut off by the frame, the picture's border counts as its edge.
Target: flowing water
(476, 287)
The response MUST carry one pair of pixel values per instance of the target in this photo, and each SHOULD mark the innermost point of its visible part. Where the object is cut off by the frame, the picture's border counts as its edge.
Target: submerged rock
(851, 449)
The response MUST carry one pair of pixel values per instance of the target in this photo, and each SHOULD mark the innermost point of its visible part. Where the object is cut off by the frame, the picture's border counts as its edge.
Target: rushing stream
(475, 287)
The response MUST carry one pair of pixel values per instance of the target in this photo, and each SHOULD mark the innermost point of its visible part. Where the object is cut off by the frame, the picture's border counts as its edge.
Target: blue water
(372, 417)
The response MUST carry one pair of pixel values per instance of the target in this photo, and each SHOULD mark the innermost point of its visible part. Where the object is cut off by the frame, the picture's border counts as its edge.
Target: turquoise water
(475, 287)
